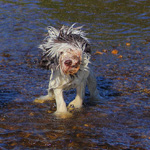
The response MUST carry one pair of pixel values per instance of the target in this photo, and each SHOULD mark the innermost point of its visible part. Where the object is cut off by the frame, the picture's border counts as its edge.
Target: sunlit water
(120, 36)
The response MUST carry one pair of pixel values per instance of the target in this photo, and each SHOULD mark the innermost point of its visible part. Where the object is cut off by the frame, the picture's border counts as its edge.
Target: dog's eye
(70, 49)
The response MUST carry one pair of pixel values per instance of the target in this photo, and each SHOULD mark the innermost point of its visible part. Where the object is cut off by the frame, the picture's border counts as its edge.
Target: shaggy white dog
(67, 54)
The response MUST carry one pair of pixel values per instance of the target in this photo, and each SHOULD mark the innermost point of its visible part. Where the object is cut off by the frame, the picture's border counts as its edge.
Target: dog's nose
(68, 62)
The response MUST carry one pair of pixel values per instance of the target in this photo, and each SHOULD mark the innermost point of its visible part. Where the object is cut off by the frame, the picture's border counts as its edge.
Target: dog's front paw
(62, 115)
(71, 108)
(76, 103)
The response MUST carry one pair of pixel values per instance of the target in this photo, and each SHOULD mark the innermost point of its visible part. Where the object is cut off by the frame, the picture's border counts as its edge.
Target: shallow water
(120, 36)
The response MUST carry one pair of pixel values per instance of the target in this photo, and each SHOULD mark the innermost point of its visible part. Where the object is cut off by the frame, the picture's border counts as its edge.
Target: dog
(67, 52)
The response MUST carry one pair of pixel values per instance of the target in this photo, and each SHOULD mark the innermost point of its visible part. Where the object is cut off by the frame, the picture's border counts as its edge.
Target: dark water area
(120, 36)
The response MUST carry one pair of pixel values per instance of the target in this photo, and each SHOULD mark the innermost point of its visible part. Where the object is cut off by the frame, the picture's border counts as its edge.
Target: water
(120, 37)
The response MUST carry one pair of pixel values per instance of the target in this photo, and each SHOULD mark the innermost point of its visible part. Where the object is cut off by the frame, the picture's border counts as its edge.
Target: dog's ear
(53, 32)
(87, 48)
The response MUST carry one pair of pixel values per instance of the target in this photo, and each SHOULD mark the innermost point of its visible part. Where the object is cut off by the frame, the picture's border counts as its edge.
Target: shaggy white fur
(66, 52)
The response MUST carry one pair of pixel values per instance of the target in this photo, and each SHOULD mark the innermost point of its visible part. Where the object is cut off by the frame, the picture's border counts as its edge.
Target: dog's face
(70, 60)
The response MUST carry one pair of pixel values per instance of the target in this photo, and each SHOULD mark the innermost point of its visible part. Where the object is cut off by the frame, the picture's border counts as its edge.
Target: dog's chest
(68, 82)
(71, 82)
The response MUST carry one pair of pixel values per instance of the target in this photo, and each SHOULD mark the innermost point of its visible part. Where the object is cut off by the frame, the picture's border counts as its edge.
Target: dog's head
(67, 49)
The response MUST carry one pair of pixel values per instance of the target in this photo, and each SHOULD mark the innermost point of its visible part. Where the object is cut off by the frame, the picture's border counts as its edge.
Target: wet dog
(67, 52)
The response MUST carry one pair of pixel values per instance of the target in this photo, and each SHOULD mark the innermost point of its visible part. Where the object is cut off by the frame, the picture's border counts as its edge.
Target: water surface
(120, 36)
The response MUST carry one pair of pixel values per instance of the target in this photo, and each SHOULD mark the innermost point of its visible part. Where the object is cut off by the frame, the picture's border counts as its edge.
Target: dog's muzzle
(70, 63)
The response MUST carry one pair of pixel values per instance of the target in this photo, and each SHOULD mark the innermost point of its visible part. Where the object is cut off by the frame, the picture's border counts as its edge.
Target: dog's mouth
(72, 70)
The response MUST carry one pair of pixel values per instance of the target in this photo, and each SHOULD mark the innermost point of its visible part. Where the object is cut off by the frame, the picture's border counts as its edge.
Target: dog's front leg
(42, 99)
(77, 102)
(60, 103)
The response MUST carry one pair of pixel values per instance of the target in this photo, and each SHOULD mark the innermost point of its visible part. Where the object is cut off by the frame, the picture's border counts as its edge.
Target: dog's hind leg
(91, 83)
(42, 99)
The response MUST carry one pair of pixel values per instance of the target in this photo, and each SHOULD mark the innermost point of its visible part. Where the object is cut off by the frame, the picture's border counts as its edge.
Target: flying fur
(58, 39)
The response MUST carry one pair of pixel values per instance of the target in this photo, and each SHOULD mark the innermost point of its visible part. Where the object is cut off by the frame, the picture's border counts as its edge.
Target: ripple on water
(120, 60)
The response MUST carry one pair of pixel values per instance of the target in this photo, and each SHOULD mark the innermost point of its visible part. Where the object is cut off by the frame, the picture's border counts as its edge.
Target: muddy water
(120, 36)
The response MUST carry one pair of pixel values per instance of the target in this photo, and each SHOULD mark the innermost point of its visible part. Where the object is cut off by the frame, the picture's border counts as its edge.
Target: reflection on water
(119, 32)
